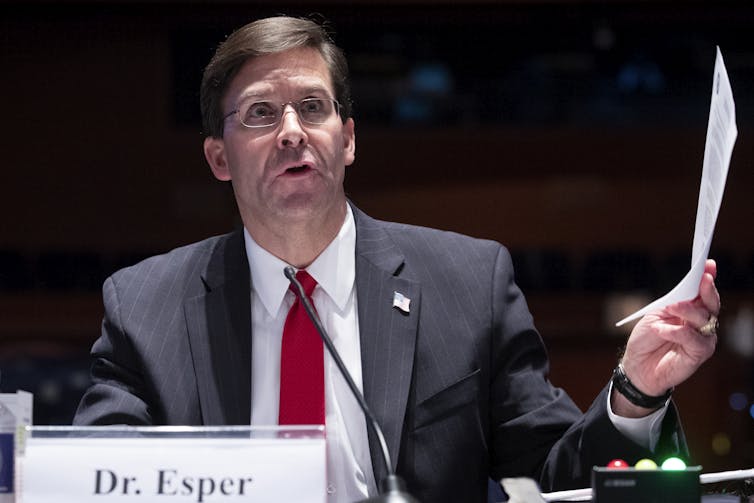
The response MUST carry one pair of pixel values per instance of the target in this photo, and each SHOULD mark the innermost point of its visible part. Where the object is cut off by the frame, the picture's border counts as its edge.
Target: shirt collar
(334, 269)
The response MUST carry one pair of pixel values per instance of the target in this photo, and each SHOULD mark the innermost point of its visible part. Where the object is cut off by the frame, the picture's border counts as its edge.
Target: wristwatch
(623, 384)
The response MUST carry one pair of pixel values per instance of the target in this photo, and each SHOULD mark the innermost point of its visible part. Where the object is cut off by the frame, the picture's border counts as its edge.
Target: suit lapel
(387, 334)
(219, 327)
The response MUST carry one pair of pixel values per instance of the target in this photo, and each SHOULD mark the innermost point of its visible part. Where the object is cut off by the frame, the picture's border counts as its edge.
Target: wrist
(625, 387)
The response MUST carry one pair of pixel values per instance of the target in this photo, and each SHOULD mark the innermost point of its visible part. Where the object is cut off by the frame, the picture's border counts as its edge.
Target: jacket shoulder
(446, 246)
(181, 269)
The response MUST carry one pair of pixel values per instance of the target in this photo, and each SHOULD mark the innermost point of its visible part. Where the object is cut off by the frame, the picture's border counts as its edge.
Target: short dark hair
(268, 36)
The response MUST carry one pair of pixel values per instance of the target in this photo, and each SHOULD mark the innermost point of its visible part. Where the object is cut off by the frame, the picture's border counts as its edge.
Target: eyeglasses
(266, 113)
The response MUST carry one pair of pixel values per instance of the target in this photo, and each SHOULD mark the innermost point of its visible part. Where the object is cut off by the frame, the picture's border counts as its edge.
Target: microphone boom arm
(291, 275)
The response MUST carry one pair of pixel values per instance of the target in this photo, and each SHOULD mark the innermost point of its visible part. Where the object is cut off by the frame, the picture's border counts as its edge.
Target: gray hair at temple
(268, 36)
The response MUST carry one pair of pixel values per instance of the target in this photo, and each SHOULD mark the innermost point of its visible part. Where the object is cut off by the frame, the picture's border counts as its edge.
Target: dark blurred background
(571, 131)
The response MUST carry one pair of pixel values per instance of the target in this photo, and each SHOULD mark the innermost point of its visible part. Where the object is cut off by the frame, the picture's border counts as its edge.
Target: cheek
(333, 148)
(248, 159)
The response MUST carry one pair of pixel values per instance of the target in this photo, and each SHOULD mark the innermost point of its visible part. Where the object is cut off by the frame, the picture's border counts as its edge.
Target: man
(430, 323)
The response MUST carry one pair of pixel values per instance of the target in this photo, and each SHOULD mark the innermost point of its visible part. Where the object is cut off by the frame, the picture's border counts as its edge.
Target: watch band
(623, 384)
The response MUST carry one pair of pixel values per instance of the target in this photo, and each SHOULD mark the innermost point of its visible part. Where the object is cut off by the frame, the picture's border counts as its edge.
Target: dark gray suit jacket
(459, 384)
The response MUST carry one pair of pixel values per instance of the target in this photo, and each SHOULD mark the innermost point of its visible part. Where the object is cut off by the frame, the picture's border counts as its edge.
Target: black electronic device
(633, 485)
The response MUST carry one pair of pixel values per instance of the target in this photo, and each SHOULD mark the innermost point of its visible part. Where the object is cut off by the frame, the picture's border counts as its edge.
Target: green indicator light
(674, 464)
(646, 464)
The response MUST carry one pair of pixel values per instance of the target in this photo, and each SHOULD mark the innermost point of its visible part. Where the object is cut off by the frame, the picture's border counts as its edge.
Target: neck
(298, 242)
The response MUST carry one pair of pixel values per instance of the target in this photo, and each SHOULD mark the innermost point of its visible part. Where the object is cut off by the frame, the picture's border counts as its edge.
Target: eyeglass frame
(294, 104)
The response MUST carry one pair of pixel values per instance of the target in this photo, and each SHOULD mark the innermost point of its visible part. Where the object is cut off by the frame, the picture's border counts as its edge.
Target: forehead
(284, 75)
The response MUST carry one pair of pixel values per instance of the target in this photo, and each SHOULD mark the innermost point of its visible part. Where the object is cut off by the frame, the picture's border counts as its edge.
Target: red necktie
(302, 369)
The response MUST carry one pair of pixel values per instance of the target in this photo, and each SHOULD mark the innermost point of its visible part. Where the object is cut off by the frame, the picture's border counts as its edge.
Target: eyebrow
(262, 95)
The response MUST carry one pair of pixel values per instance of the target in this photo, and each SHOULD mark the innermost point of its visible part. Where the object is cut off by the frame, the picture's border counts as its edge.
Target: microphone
(392, 487)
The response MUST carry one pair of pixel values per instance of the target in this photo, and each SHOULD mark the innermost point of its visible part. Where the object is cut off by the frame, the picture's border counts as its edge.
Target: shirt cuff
(645, 431)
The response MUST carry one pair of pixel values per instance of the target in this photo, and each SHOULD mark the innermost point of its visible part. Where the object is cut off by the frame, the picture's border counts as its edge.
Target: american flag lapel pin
(401, 302)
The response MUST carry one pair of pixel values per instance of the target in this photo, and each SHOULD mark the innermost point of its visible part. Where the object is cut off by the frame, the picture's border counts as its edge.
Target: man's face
(291, 171)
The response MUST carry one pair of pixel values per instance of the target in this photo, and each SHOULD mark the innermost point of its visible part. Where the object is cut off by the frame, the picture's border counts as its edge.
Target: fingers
(687, 324)
(708, 293)
(698, 312)
(692, 314)
(688, 342)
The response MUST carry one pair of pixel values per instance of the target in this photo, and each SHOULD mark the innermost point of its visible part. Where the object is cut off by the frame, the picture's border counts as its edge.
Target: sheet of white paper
(721, 136)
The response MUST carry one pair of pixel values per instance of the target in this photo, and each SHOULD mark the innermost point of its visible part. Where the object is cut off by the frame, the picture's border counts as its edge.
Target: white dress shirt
(349, 466)
(645, 431)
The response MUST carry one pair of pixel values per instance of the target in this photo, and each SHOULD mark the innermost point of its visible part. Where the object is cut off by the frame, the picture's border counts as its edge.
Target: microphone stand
(391, 488)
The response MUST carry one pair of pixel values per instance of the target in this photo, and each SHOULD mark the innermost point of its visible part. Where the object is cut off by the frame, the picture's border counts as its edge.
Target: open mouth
(298, 169)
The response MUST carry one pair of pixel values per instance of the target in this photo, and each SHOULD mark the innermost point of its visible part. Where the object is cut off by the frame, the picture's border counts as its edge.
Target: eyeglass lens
(267, 113)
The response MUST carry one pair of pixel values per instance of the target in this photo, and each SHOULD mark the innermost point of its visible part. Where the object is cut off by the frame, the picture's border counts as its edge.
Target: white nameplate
(174, 470)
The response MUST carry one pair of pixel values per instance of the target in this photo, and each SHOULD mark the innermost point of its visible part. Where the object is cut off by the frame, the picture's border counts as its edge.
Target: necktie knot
(306, 281)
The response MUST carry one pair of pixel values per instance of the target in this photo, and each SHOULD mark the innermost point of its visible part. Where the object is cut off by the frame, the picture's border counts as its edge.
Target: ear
(214, 152)
(349, 141)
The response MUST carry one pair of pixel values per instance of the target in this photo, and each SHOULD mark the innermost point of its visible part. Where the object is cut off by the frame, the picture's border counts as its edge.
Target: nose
(291, 134)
